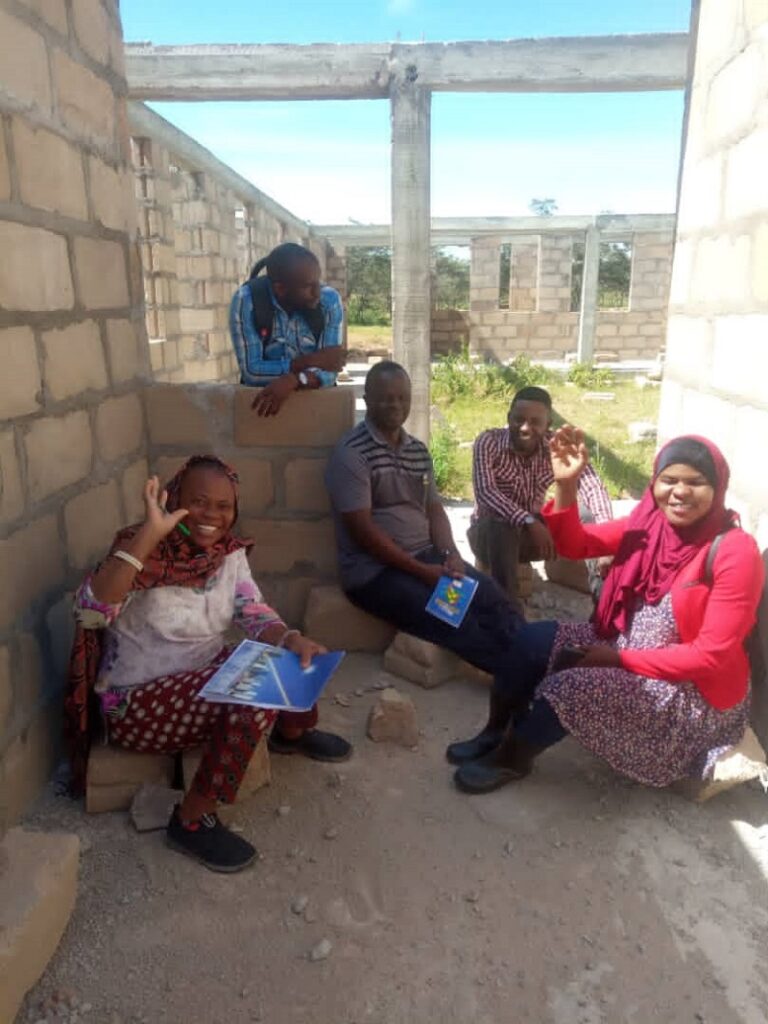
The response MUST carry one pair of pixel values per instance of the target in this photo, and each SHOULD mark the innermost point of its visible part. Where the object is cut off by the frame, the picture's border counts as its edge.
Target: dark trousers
(530, 652)
(484, 638)
(500, 547)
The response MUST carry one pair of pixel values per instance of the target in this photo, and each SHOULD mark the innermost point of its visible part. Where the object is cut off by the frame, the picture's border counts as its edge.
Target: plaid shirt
(291, 336)
(510, 487)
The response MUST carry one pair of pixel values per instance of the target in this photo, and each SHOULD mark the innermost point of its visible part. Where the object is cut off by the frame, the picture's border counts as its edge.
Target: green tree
(451, 281)
(543, 207)
(369, 285)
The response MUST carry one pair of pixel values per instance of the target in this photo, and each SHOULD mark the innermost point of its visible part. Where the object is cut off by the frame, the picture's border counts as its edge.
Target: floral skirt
(654, 731)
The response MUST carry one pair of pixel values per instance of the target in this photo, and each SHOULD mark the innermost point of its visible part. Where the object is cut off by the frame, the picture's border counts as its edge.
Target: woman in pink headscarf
(658, 683)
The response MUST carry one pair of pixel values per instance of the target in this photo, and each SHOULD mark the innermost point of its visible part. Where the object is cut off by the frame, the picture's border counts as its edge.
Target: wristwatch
(529, 519)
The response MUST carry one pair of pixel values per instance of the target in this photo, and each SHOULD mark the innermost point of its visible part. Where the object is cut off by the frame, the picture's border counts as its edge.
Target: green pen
(184, 529)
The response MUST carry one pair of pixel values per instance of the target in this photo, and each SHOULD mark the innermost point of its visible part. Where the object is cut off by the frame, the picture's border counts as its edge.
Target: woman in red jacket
(657, 683)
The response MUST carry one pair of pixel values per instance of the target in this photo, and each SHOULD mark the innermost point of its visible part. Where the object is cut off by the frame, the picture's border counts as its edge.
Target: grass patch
(369, 337)
(474, 397)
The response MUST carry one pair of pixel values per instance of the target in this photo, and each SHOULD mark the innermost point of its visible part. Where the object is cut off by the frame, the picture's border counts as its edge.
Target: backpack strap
(711, 554)
(264, 312)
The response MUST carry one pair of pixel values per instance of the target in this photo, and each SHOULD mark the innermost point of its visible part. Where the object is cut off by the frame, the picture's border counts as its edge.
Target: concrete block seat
(116, 775)
(332, 620)
(38, 887)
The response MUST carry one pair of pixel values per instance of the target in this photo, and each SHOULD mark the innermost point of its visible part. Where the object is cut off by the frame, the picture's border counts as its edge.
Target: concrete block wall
(73, 349)
(284, 506)
(450, 330)
(717, 344)
(539, 321)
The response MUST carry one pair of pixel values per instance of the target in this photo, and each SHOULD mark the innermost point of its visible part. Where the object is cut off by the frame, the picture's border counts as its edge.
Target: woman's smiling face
(683, 494)
(209, 496)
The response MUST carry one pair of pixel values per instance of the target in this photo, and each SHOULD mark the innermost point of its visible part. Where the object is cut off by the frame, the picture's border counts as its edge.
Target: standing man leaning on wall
(286, 328)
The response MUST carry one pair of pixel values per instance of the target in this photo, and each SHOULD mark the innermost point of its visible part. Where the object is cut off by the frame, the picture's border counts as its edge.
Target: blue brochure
(451, 598)
(270, 677)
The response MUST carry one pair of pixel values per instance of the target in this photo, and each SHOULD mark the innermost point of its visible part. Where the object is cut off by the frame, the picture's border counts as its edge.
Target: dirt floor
(573, 897)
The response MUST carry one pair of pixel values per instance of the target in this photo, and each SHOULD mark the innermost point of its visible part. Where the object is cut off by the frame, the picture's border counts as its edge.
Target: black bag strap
(264, 312)
(711, 554)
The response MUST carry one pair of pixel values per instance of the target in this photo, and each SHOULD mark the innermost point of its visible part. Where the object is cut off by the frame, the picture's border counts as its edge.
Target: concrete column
(586, 343)
(411, 276)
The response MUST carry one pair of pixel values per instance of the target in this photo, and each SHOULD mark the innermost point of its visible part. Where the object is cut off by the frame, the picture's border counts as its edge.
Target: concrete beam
(625, 63)
(461, 230)
(144, 122)
(411, 264)
(585, 347)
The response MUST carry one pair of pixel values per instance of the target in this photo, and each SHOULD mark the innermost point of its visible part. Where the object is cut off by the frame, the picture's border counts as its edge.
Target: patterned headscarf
(175, 562)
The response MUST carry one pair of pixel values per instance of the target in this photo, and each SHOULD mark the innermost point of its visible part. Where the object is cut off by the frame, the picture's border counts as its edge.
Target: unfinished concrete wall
(538, 321)
(716, 377)
(73, 349)
(284, 505)
(199, 240)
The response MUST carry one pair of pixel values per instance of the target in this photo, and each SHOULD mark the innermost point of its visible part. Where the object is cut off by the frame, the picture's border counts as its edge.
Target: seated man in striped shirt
(286, 328)
(511, 471)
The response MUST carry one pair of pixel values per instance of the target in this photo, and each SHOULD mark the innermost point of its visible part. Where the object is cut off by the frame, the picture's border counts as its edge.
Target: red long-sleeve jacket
(713, 620)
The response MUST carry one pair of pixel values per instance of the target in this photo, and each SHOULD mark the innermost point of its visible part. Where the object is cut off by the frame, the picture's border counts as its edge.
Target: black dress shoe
(318, 745)
(510, 761)
(478, 746)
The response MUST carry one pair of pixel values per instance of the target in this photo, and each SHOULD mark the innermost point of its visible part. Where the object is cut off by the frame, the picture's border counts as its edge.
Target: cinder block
(420, 661)
(34, 267)
(119, 426)
(50, 171)
(116, 775)
(741, 763)
(26, 765)
(32, 561)
(111, 196)
(91, 520)
(38, 888)
(5, 175)
(102, 276)
(86, 102)
(332, 620)
(91, 29)
(190, 416)
(257, 490)
(311, 419)
(124, 347)
(292, 545)
(20, 380)
(73, 360)
(287, 595)
(132, 487)
(25, 63)
(11, 491)
(305, 489)
(59, 453)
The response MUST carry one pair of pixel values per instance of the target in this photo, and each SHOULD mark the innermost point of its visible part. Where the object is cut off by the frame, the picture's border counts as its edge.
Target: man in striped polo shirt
(394, 538)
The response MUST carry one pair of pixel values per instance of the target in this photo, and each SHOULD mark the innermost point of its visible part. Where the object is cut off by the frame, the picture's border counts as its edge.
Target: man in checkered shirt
(511, 472)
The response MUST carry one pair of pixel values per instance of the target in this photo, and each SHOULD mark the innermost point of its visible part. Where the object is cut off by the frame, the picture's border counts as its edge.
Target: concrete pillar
(586, 343)
(411, 277)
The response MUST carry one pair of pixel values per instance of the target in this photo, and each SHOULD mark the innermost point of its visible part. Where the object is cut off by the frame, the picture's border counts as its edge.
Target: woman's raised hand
(157, 521)
(569, 454)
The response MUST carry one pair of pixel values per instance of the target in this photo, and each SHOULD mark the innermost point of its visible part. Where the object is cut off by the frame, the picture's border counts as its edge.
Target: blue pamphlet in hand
(270, 677)
(451, 598)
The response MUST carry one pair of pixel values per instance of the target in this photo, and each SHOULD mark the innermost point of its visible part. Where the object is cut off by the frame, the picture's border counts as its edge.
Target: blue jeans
(484, 638)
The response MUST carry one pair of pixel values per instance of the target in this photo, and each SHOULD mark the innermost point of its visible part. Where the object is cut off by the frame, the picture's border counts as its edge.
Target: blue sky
(329, 161)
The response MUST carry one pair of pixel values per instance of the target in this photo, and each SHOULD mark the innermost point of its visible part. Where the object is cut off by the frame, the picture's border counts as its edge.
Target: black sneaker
(210, 843)
(318, 745)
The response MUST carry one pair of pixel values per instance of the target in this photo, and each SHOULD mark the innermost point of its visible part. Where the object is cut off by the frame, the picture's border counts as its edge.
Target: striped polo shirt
(396, 483)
